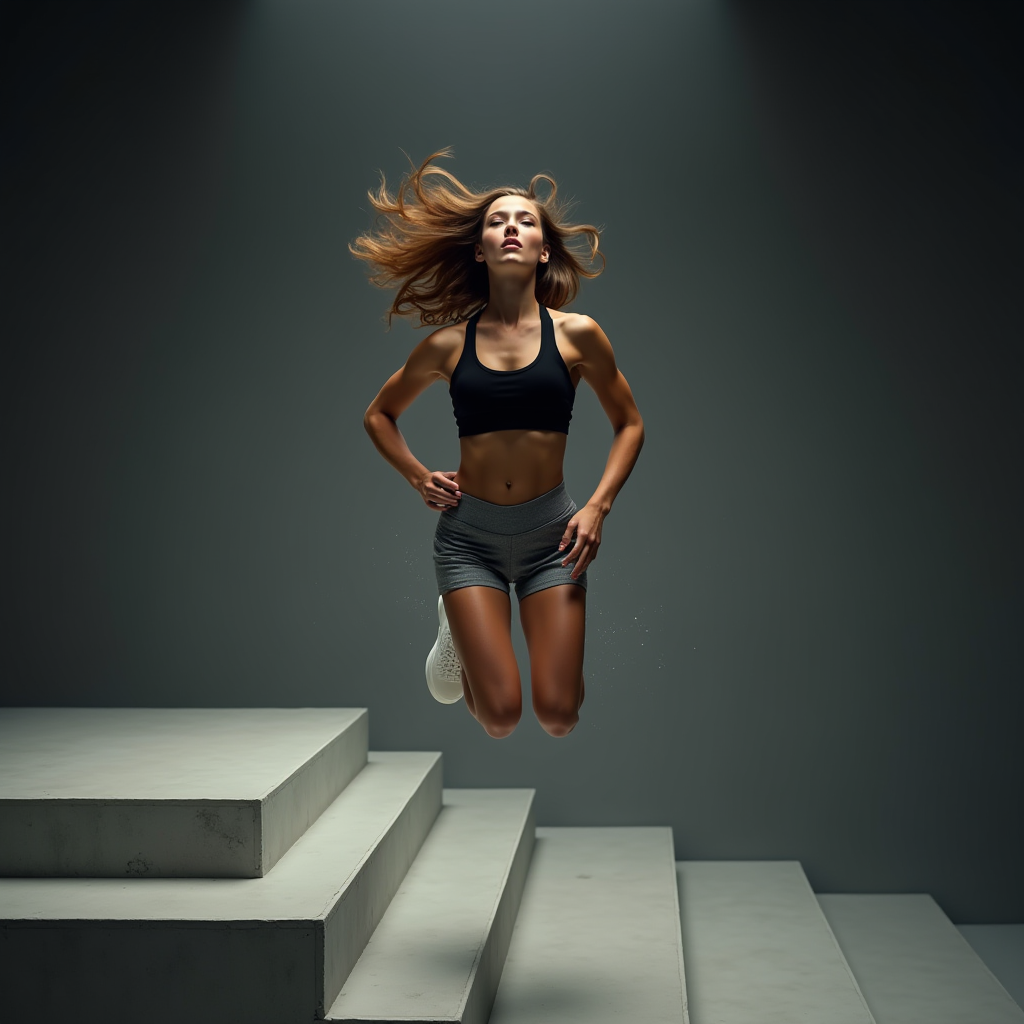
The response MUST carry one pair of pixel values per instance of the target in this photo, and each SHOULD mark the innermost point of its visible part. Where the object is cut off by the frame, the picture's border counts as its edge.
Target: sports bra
(539, 396)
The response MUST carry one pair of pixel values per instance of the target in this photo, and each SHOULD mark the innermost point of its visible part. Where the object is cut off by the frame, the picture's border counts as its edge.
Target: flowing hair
(423, 244)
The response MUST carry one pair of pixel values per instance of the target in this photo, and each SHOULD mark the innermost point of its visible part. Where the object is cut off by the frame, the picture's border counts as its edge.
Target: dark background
(804, 626)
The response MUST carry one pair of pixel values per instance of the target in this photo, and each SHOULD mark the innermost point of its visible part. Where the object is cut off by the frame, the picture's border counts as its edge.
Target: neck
(509, 302)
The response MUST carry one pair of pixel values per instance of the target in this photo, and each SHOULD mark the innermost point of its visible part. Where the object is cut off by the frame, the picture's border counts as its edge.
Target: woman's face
(512, 234)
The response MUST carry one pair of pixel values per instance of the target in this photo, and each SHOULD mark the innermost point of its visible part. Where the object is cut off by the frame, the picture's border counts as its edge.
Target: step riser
(115, 839)
(349, 926)
(480, 998)
(438, 952)
(299, 801)
(159, 975)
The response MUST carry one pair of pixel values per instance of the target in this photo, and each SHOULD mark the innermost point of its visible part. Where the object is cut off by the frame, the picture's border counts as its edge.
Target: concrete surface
(597, 940)
(759, 950)
(1001, 948)
(438, 952)
(160, 792)
(912, 963)
(249, 950)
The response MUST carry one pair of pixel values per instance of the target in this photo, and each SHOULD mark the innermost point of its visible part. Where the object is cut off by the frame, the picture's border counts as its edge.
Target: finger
(584, 563)
(447, 483)
(575, 553)
(441, 483)
(581, 564)
(570, 529)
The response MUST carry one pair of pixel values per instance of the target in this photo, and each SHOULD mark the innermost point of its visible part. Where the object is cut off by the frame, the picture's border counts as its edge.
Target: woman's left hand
(586, 524)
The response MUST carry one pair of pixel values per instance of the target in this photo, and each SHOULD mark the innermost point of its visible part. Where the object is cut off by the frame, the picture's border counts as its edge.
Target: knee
(501, 724)
(499, 717)
(557, 719)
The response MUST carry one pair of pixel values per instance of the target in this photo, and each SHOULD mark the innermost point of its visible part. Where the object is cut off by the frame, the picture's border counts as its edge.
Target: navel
(508, 484)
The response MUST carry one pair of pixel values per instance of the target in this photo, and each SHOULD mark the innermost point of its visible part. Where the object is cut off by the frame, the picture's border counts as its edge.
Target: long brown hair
(424, 244)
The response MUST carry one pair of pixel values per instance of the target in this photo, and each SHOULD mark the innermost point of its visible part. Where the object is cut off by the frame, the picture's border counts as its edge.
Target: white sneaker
(443, 668)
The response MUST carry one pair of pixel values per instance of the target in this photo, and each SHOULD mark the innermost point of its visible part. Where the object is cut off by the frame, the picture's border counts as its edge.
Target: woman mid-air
(491, 270)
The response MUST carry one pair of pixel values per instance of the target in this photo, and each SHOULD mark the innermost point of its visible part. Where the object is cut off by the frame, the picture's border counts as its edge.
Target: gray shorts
(480, 544)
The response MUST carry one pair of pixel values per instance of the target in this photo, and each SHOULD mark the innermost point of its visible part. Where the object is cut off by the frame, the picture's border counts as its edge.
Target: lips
(509, 242)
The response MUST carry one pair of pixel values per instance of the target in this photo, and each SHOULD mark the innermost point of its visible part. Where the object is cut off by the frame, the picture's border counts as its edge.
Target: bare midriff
(508, 467)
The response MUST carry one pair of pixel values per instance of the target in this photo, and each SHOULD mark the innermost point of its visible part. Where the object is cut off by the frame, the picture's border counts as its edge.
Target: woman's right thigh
(480, 619)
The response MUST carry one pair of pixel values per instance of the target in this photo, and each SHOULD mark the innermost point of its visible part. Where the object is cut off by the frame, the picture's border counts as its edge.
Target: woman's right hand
(439, 490)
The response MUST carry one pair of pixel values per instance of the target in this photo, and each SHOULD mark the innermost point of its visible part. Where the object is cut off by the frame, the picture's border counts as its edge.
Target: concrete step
(912, 963)
(597, 939)
(759, 950)
(1001, 948)
(161, 792)
(250, 951)
(438, 952)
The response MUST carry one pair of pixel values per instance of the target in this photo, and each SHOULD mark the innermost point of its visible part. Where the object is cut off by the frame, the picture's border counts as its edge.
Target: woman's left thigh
(554, 623)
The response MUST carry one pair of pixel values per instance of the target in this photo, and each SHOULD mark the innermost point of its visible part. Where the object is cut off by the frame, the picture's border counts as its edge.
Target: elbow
(370, 418)
(635, 426)
(374, 420)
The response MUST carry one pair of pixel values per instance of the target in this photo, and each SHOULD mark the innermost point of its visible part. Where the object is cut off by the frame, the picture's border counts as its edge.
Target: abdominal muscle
(508, 467)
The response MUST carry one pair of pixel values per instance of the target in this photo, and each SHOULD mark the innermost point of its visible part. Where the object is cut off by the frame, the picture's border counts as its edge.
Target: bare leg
(554, 622)
(480, 619)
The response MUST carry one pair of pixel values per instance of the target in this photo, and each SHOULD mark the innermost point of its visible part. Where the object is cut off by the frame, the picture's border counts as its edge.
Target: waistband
(509, 519)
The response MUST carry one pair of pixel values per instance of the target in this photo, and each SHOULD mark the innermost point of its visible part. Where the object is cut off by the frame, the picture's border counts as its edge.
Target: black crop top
(539, 396)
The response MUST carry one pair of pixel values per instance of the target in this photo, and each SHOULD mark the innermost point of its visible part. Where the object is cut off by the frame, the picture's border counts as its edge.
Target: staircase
(261, 866)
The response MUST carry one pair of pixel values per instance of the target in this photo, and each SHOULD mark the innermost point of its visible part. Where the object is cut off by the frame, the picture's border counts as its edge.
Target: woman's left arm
(598, 369)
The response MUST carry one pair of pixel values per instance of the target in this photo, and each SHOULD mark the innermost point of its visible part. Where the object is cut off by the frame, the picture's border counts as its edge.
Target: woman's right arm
(424, 366)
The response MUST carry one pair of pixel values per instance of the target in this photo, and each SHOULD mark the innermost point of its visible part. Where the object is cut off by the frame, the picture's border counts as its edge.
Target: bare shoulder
(439, 351)
(445, 339)
(594, 362)
(582, 335)
(576, 325)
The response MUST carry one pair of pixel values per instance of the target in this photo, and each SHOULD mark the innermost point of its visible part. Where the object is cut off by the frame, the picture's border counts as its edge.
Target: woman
(491, 270)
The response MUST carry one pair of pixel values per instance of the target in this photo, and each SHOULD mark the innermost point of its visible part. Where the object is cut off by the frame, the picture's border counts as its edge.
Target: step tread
(123, 753)
(597, 939)
(424, 961)
(309, 880)
(758, 948)
(913, 964)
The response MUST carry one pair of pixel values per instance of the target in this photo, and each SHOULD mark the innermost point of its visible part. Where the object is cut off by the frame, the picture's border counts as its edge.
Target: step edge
(946, 920)
(362, 718)
(835, 943)
(523, 846)
(419, 818)
(517, 867)
(349, 762)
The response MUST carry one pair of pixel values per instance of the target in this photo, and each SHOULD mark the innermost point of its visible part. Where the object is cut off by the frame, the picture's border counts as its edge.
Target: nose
(511, 229)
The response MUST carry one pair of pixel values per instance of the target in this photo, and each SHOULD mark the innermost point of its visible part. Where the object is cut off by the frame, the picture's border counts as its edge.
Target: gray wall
(804, 626)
